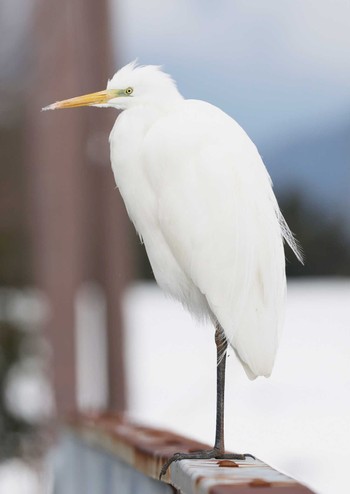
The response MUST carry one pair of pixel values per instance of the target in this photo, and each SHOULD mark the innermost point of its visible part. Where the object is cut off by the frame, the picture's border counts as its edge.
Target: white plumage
(200, 197)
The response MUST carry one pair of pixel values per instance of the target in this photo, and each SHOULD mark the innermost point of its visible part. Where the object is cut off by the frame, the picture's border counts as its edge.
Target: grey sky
(274, 65)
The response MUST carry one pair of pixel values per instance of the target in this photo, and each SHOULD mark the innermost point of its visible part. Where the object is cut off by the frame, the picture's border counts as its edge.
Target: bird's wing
(220, 218)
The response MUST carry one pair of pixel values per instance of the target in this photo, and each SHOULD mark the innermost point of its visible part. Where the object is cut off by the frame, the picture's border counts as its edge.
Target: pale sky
(281, 68)
(276, 66)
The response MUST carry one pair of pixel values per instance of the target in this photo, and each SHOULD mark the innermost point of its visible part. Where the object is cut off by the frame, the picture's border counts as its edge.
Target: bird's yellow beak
(99, 98)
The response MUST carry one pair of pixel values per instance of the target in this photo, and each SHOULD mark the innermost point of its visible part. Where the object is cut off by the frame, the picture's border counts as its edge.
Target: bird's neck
(150, 112)
(139, 118)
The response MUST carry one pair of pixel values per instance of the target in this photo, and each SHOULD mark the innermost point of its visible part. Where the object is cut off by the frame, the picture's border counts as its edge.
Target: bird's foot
(202, 455)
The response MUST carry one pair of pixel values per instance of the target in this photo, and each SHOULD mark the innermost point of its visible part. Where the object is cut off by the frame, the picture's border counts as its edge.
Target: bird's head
(133, 85)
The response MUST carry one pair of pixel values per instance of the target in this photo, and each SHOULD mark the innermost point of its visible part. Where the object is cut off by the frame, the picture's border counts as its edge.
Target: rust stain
(243, 488)
(227, 463)
(199, 480)
(147, 449)
(259, 483)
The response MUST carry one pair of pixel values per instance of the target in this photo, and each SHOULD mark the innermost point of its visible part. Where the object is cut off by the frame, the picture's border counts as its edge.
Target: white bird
(201, 199)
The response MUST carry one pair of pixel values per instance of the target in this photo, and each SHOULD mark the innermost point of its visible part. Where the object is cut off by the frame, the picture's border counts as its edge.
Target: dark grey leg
(219, 448)
(221, 347)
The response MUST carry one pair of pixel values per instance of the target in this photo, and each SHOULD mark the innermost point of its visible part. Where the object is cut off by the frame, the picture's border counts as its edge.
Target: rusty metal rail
(145, 449)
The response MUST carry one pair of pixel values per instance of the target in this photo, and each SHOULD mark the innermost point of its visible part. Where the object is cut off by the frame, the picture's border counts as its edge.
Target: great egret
(200, 197)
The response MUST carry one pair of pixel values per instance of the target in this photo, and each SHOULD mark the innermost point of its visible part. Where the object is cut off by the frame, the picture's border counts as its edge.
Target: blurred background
(76, 291)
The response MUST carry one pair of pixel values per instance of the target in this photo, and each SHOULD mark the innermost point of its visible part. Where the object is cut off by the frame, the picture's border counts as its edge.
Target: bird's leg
(221, 347)
(219, 447)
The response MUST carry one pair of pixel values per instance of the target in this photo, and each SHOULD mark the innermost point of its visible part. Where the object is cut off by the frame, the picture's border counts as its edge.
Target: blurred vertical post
(80, 230)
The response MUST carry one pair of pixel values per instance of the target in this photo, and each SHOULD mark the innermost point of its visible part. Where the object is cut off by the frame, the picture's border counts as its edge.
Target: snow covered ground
(298, 420)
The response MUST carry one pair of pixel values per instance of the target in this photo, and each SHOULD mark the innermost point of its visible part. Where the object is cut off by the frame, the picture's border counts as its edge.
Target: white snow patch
(298, 420)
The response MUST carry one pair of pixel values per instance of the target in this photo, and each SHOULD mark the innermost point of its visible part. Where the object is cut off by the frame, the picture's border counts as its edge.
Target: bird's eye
(128, 91)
